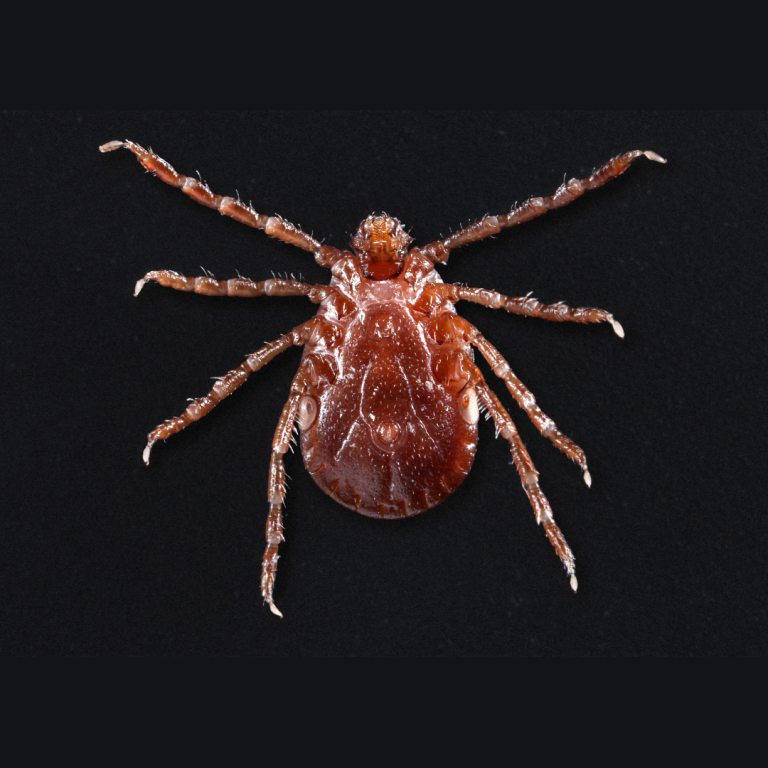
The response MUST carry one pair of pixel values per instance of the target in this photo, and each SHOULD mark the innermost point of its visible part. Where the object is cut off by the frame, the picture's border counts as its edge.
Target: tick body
(390, 438)
(387, 396)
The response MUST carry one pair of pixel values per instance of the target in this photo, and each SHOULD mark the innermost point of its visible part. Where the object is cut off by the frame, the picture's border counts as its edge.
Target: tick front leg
(526, 305)
(226, 385)
(536, 206)
(522, 395)
(227, 206)
(239, 286)
(530, 479)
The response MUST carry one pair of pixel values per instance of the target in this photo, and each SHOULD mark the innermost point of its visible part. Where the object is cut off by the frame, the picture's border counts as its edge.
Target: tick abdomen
(388, 440)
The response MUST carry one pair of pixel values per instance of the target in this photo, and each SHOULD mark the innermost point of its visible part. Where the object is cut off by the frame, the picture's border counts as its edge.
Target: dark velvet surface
(100, 555)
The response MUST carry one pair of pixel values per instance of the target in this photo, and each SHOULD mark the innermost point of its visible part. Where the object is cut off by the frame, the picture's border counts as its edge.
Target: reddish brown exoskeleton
(387, 396)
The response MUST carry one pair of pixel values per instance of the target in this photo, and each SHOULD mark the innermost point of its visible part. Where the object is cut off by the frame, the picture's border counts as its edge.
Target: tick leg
(238, 286)
(276, 496)
(526, 305)
(227, 206)
(276, 485)
(536, 206)
(530, 479)
(522, 394)
(226, 385)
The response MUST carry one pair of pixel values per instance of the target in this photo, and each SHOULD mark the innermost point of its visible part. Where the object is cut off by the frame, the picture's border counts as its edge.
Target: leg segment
(239, 286)
(226, 385)
(536, 206)
(228, 206)
(526, 305)
(524, 397)
(530, 479)
(276, 486)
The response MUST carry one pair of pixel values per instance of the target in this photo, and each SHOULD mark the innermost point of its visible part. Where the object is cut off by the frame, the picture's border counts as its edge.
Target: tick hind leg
(530, 479)
(276, 486)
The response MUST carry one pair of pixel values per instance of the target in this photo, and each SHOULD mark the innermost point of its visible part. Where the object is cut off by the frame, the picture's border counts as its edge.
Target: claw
(653, 156)
(110, 145)
(145, 455)
(574, 583)
(273, 608)
(617, 329)
(139, 285)
(587, 478)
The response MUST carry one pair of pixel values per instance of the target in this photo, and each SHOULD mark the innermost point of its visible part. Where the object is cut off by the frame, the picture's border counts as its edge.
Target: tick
(387, 396)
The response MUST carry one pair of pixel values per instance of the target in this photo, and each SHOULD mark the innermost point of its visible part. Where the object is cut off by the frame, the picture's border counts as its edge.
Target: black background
(102, 555)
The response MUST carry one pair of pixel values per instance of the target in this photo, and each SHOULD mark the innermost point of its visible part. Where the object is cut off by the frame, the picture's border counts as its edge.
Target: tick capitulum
(387, 396)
